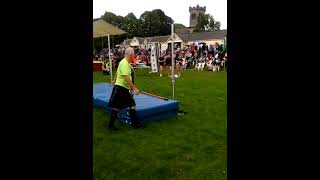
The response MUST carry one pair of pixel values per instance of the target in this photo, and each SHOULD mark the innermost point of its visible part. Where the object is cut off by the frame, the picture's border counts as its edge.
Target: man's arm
(114, 80)
(132, 86)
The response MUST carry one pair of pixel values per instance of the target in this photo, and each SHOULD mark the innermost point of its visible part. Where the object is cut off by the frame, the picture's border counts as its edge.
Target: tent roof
(101, 29)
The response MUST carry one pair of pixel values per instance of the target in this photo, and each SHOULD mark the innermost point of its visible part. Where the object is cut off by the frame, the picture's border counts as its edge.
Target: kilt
(121, 98)
(161, 61)
(168, 61)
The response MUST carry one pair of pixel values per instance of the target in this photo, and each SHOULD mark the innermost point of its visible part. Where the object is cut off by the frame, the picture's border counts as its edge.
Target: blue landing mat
(149, 108)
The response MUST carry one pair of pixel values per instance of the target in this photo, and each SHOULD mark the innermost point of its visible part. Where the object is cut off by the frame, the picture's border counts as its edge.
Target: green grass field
(192, 146)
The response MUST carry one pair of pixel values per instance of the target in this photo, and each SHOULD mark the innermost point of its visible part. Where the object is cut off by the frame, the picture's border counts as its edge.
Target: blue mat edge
(166, 113)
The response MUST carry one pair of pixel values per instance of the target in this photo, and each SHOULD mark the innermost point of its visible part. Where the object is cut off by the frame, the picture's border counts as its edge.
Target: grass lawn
(193, 146)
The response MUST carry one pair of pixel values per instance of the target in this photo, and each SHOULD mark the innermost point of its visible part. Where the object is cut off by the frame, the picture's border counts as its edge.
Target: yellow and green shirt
(124, 68)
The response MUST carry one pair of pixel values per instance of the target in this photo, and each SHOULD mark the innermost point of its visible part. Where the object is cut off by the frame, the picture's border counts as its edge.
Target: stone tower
(194, 13)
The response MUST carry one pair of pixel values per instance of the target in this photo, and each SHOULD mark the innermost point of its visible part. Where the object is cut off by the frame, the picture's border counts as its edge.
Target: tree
(131, 16)
(202, 22)
(217, 26)
(211, 22)
(132, 25)
(177, 25)
(206, 22)
(150, 23)
(112, 18)
(155, 23)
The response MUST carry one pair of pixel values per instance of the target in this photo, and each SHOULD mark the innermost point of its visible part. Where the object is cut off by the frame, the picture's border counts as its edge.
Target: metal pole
(101, 44)
(94, 49)
(172, 60)
(159, 52)
(225, 42)
(225, 45)
(110, 61)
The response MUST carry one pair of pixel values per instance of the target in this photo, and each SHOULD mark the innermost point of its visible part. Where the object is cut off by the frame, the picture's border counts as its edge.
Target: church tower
(194, 13)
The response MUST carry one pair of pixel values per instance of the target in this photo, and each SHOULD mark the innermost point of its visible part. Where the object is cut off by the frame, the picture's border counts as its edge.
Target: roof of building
(152, 39)
(195, 36)
(198, 36)
(140, 39)
(159, 38)
(127, 41)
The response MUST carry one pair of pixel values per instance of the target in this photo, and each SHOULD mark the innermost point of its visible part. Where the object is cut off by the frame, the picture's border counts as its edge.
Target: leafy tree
(155, 23)
(206, 22)
(177, 25)
(150, 23)
(217, 26)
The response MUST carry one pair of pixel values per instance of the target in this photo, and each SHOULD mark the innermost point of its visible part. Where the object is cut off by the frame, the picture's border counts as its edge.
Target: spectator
(211, 50)
(215, 48)
(203, 47)
(168, 60)
(162, 61)
(225, 58)
(105, 68)
(179, 56)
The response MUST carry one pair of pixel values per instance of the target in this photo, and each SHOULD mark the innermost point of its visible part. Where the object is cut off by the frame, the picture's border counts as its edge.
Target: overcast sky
(178, 10)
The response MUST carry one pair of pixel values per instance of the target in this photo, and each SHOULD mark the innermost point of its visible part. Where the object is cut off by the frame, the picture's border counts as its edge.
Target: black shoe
(113, 128)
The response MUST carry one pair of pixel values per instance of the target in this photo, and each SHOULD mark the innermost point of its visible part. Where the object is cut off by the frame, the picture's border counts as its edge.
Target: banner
(154, 58)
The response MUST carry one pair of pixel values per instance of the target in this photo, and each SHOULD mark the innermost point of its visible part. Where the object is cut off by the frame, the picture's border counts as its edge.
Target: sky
(178, 10)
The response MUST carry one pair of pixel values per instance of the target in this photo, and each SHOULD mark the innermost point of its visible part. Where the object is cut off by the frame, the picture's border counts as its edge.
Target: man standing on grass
(121, 96)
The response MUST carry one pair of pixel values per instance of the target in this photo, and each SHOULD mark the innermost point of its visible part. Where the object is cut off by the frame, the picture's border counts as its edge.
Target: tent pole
(94, 49)
(101, 43)
(172, 60)
(110, 61)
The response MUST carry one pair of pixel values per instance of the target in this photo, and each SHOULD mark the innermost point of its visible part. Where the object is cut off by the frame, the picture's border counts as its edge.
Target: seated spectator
(203, 60)
(225, 58)
(162, 61)
(105, 68)
(211, 50)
